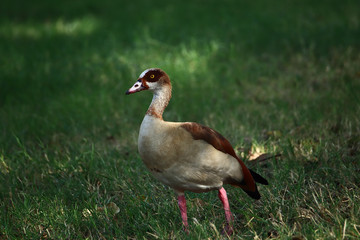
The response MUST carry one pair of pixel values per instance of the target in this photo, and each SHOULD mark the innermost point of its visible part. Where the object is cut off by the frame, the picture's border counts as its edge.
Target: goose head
(153, 79)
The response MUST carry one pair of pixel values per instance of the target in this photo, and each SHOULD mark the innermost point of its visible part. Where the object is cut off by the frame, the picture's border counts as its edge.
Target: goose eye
(152, 76)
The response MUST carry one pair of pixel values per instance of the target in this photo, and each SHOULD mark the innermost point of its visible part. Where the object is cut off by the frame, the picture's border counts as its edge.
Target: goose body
(199, 167)
(188, 156)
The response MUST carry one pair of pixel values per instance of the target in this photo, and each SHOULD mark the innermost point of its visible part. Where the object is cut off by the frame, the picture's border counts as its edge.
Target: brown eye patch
(153, 75)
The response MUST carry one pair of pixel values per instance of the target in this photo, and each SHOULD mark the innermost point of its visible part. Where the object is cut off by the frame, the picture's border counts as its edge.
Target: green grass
(275, 77)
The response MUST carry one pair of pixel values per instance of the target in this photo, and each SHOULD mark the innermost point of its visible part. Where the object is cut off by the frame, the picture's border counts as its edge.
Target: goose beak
(137, 87)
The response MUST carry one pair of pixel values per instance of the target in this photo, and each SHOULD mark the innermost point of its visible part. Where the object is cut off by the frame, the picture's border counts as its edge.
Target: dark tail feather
(254, 195)
(258, 178)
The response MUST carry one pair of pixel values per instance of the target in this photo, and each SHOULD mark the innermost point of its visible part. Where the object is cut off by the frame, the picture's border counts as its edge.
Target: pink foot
(228, 216)
(182, 207)
(228, 230)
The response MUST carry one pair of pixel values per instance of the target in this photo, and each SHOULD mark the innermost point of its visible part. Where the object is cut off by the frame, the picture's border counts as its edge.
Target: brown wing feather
(200, 132)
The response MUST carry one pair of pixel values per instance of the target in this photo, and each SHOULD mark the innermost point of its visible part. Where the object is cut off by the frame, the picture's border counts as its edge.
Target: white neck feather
(160, 100)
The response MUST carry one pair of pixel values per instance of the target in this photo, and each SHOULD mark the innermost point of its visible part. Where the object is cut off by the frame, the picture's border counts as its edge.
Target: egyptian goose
(188, 156)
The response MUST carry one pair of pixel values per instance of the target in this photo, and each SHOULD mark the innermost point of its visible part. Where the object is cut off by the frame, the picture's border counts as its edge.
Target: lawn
(277, 78)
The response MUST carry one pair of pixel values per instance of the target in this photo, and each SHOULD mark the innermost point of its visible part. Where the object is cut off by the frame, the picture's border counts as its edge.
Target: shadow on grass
(268, 67)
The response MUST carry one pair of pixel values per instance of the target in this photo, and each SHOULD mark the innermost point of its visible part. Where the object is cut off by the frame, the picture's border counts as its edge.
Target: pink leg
(228, 215)
(182, 206)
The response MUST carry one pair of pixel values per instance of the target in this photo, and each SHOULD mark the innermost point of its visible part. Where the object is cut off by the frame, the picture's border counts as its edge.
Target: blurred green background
(272, 77)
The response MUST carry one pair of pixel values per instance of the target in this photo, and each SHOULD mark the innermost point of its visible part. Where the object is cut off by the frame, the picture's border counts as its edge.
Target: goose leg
(182, 207)
(228, 215)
